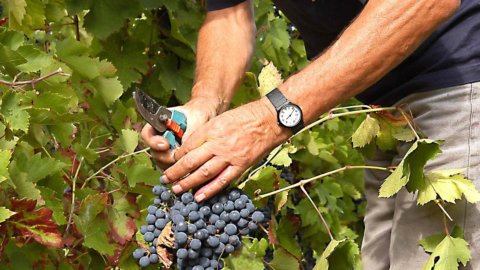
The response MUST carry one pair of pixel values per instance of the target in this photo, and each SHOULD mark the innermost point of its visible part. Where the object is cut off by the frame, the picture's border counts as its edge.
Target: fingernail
(163, 180)
(200, 197)
(160, 145)
(177, 189)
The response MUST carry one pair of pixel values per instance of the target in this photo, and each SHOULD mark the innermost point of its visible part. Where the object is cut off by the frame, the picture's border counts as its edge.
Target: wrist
(204, 96)
(270, 120)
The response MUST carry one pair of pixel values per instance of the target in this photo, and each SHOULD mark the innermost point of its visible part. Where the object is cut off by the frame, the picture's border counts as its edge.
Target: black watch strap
(277, 98)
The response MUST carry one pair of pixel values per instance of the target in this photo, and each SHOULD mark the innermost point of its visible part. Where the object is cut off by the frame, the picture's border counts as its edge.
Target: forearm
(383, 35)
(225, 46)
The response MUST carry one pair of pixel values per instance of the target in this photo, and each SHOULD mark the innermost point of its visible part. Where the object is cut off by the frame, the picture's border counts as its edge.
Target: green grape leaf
(141, 173)
(410, 170)
(365, 133)
(448, 254)
(23, 186)
(128, 140)
(110, 89)
(15, 115)
(35, 223)
(17, 10)
(36, 59)
(55, 203)
(97, 237)
(346, 256)
(268, 79)
(404, 134)
(282, 260)
(5, 213)
(85, 66)
(5, 156)
(108, 16)
(322, 261)
(250, 257)
(449, 185)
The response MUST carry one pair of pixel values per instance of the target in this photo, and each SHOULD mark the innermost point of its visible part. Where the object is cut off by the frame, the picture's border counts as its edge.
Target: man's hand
(198, 111)
(220, 151)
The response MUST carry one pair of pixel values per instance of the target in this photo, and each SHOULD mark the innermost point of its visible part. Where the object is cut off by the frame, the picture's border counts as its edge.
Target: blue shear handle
(181, 120)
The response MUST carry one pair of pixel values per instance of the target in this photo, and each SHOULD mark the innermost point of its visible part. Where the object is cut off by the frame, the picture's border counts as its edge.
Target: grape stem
(306, 181)
(325, 224)
(409, 123)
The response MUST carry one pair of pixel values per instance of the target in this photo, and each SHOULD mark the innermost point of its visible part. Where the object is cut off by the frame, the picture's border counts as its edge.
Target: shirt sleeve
(221, 4)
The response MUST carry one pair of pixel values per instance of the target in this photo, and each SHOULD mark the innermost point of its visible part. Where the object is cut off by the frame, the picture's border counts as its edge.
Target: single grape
(187, 197)
(214, 264)
(205, 262)
(182, 226)
(151, 219)
(144, 261)
(153, 258)
(182, 253)
(198, 267)
(206, 252)
(244, 213)
(151, 209)
(234, 216)
(200, 224)
(138, 253)
(211, 229)
(251, 207)
(192, 254)
(220, 224)
(160, 213)
(213, 241)
(200, 235)
(225, 216)
(149, 236)
(229, 206)
(157, 190)
(240, 204)
(213, 218)
(157, 201)
(229, 248)
(193, 216)
(165, 196)
(152, 249)
(233, 240)
(191, 228)
(217, 208)
(224, 238)
(244, 198)
(231, 229)
(161, 223)
(234, 195)
(258, 216)
(223, 199)
(150, 228)
(244, 231)
(178, 218)
(143, 229)
(252, 225)
(184, 211)
(205, 210)
(181, 238)
(157, 232)
(242, 223)
(195, 244)
(220, 248)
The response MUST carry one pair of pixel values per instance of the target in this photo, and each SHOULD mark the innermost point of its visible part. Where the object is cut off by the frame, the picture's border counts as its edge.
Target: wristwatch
(289, 114)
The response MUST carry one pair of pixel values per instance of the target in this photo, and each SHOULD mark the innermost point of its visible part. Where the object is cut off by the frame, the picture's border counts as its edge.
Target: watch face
(290, 115)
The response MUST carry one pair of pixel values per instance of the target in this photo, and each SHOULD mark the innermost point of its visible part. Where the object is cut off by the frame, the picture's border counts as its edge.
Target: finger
(203, 174)
(164, 158)
(194, 141)
(153, 139)
(222, 181)
(187, 164)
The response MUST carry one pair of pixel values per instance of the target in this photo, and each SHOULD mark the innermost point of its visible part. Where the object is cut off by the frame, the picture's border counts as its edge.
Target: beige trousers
(394, 226)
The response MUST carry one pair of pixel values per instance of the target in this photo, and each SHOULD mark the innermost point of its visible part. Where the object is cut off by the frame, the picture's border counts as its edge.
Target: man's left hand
(221, 150)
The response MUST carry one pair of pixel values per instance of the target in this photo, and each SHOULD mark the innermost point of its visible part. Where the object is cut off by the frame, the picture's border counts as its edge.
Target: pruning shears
(171, 124)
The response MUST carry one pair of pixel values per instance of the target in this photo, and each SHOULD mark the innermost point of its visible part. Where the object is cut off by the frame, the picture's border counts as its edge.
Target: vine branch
(319, 213)
(306, 181)
(34, 81)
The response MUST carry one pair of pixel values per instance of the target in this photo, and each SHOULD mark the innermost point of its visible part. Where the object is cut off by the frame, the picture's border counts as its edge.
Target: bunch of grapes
(204, 233)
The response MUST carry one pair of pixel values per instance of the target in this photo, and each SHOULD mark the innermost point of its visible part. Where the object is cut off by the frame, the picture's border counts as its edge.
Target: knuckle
(223, 181)
(188, 162)
(205, 171)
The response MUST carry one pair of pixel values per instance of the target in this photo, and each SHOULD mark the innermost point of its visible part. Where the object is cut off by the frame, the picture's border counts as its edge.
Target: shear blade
(150, 110)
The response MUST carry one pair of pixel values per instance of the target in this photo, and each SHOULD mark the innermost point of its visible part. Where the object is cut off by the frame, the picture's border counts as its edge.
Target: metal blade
(151, 111)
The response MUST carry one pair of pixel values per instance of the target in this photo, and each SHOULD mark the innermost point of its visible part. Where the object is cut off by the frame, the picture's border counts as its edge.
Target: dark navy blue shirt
(449, 57)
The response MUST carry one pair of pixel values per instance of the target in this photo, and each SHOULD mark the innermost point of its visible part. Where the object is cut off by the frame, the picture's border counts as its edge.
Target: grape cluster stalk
(204, 233)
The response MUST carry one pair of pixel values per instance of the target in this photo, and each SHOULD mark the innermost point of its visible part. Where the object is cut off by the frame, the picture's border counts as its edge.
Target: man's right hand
(197, 111)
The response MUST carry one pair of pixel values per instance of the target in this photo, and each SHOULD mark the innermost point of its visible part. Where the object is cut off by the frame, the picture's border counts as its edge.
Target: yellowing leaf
(449, 185)
(17, 10)
(448, 254)
(322, 262)
(268, 79)
(5, 214)
(365, 133)
(282, 158)
(5, 156)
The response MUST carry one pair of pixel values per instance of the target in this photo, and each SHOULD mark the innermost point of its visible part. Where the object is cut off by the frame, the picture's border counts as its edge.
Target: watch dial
(290, 115)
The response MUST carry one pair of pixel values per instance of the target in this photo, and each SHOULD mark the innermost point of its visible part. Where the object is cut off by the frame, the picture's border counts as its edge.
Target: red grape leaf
(37, 224)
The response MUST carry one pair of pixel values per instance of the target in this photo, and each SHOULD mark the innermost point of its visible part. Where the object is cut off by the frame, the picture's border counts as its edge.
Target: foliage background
(74, 177)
